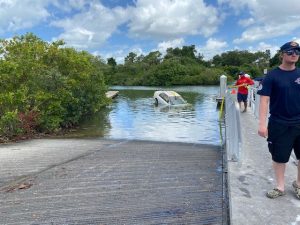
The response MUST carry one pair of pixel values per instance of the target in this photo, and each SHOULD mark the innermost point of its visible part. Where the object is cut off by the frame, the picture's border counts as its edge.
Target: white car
(170, 98)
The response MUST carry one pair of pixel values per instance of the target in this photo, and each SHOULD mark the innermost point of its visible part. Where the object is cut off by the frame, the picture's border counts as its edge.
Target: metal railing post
(223, 85)
(233, 128)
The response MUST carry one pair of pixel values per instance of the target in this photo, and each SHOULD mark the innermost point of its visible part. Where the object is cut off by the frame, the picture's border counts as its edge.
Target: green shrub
(46, 86)
(10, 124)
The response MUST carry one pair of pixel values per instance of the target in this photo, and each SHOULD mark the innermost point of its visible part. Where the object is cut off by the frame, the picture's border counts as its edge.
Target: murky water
(133, 115)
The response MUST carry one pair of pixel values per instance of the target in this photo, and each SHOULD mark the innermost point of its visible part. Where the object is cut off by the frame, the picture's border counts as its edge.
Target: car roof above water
(169, 93)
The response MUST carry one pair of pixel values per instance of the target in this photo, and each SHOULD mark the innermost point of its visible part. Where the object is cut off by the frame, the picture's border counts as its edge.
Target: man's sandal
(275, 193)
(296, 189)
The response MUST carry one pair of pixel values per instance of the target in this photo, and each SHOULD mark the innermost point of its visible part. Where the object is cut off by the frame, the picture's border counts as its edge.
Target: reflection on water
(133, 115)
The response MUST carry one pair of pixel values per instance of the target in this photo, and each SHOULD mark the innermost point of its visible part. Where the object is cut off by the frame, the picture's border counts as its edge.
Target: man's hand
(263, 131)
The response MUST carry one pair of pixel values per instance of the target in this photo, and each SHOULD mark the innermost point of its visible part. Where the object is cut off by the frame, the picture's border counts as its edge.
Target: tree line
(184, 66)
(46, 86)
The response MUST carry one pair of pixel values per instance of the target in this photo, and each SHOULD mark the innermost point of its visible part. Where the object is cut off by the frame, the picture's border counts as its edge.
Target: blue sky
(113, 28)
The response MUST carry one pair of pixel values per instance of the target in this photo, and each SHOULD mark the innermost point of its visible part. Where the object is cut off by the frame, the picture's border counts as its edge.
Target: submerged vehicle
(170, 98)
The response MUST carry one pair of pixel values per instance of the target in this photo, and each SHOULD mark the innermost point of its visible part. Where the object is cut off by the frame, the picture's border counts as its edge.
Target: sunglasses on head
(292, 51)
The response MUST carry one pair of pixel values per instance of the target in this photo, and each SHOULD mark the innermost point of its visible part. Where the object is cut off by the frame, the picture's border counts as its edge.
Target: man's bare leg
(245, 107)
(279, 169)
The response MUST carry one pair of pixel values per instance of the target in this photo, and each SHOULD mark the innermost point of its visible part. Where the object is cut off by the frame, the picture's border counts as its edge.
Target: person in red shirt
(242, 94)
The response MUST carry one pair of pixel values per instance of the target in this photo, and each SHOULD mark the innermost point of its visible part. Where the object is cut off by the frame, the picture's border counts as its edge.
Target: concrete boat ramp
(72, 181)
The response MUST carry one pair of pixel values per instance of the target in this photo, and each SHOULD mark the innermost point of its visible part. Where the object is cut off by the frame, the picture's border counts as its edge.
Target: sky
(113, 28)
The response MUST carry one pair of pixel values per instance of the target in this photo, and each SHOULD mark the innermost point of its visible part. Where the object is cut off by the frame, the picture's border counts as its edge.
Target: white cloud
(172, 18)
(272, 18)
(137, 50)
(15, 15)
(88, 24)
(261, 32)
(120, 54)
(212, 48)
(262, 46)
(68, 5)
(237, 5)
(92, 24)
(92, 27)
(152, 19)
(247, 22)
(163, 46)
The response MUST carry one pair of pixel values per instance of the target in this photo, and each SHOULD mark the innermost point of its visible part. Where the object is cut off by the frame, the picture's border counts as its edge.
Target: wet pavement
(57, 181)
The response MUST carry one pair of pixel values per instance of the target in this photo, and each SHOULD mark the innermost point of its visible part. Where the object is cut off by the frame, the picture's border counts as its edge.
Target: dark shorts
(242, 97)
(281, 140)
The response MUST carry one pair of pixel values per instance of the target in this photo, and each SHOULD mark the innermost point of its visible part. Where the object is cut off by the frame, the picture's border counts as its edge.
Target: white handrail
(233, 128)
(233, 134)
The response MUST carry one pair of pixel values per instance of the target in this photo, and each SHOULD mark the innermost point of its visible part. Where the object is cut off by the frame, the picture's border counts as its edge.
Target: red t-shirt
(244, 80)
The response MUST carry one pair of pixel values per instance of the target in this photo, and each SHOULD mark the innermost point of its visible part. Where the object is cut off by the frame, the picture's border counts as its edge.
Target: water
(133, 115)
